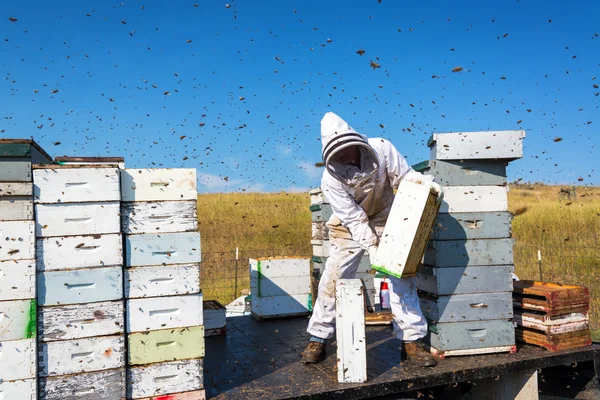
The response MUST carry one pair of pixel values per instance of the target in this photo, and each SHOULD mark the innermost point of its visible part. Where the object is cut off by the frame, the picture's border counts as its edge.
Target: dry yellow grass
(566, 231)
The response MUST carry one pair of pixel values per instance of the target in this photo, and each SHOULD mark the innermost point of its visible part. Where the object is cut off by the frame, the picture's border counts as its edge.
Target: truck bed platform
(260, 360)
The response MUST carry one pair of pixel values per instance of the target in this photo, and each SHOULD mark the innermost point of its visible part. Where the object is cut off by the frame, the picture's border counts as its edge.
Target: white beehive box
(407, 230)
(99, 385)
(17, 359)
(350, 331)
(17, 280)
(474, 199)
(155, 313)
(19, 390)
(159, 216)
(321, 248)
(75, 184)
(158, 184)
(214, 318)
(505, 145)
(164, 378)
(162, 280)
(317, 196)
(17, 240)
(68, 219)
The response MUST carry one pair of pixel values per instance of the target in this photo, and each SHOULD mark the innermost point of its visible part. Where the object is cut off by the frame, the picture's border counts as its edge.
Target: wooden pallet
(383, 317)
(553, 299)
(441, 354)
(551, 324)
(554, 342)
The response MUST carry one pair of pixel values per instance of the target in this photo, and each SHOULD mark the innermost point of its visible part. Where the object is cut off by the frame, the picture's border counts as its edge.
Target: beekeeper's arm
(351, 215)
(398, 169)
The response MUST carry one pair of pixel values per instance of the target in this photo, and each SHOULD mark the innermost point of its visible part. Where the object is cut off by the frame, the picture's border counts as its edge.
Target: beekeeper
(358, 182)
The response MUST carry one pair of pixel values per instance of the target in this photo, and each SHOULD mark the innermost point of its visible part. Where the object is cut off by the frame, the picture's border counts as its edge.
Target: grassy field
(565, 230)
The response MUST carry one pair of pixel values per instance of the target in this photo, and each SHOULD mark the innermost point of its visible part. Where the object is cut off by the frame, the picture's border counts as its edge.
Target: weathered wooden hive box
(165, 321)
(214, 318)
(407, 230)
(350, 331)
(18, 306)
(65, 160)
(465, 282)
(280, 287)
(79, 261)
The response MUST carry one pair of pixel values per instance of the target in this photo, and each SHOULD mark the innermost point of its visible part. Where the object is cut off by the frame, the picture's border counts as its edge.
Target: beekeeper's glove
(426, 180)
(373, 255)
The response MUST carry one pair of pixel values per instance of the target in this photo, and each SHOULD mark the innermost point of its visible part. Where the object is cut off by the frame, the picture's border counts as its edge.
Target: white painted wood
(166, 345)
(16, 189)
(279, 267)
(281, 305)
(80, 286)
(319, 231)
(18, 390)
(163, 312)
(80, 321)
(194, 395)
(552, 325)
(317, 196)
(71, 219)
(291, 285)
(164, 378)
(81, 355)
(158, 184)
(458, 199)
(162, 280)
(54, 185)
(17, 280)
(17, 359)
(17, 319)
(398, 239)
(16, 240)
(162, 249)
(519, 385)
(350, 331)
(101, 385)
(321, 249)
(214, 315)
(470, 352)
(477, 145)
(16, 208)
(73, 252)
(159, 216)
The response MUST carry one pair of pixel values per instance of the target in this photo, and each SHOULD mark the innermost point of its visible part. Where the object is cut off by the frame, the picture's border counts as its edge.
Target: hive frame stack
(164, 317)
(280, 287)
(80, 281)
(18, 349)
(465, 282)
(320, 213)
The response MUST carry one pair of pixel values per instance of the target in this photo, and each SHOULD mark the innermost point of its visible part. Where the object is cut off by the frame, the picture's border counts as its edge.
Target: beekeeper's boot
(314, 353)
(417, 355)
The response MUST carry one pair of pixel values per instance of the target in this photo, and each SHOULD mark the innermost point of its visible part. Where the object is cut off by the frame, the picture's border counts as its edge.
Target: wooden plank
(17, 359)
(166, 345)
(17, 280)
(195, 395)
(164, 378)
(64, 160)
(162, 249)
(15, 169)
(214, 316)
(73, 185)
(158, 184)
(467, 226)
(468, 253)
(69, 219)
(350, 331)
(321, 212)
(80, 286)
(465, 172)
(16, 189)
(470, 334)
(80, 321)
(279, 267)
(74, 252)
(557, 342)
(552, 292)
(159, 216)
(102, 385)
(279, 306)
(162, 280)
(558, 308)
(552, 324)
(460, 280)
(407, 230)
(505, 145)
(25, 389)
(466, 307)
(477, 199)
(291, 285)
(81, 355)
(441, 354)
(16, 240)
(17, 319)
(150, 314)
(16, 208)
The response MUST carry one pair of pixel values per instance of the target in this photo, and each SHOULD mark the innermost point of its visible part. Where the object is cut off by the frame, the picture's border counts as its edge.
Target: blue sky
(237, 89)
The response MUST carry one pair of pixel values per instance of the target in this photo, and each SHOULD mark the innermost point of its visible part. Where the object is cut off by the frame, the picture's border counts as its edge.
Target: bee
(360, 52)
(457, 69)
(374, 65)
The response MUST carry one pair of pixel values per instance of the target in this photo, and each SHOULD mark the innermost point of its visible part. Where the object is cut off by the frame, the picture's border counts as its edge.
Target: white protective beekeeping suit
(361, 199)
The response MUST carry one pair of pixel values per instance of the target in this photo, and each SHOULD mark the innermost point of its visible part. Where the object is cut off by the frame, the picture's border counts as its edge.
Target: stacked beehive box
(551, 315)
(320, 212)
(164, 317)
(466, 281)
(79, 262)
(280, 287)
(17, 269)
(214, 318)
